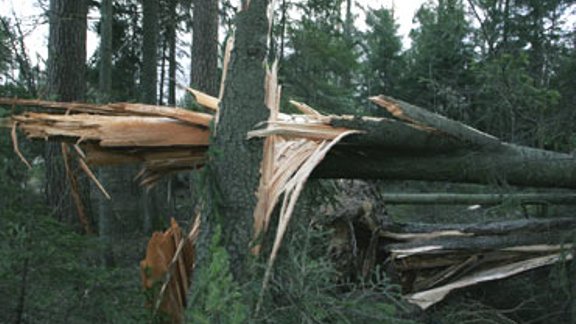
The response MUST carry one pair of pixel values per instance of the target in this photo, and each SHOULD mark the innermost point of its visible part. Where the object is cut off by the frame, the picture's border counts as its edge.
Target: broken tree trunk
(433, 263)
(416, 145)
(430, 260)
(426, 146)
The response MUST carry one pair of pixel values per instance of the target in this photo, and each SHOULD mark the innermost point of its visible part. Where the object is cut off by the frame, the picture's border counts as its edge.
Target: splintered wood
(163, 139)
(434, 260)
(166, 271)
(291, 152)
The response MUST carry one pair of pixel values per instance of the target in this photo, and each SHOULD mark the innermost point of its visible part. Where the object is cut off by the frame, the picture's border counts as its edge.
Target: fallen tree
(414, 145)
(431, 260)
(559, 198)
(420, 145)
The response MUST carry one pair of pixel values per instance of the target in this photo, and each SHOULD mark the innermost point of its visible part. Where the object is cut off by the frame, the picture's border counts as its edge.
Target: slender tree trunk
(506, 27)
(204, 68)
(282, 31)
(105, 80)
(66, 82)
(172, 64)
(348, 37)
(105, 215)
(148, 85)
(21, 306)
(162, 72)
(149, 51)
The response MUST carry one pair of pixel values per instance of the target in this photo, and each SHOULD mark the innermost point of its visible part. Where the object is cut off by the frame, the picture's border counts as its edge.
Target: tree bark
(560, 198)
(172, 64)
(148, 79)
(162, 73)
(427, 256)
(105, 216)
(66, 82)
(105, 79)
(420, 145)
(434, 255)
(510, 164)
(237, 168)
(204, 76)
(152, 204)
(409, 231)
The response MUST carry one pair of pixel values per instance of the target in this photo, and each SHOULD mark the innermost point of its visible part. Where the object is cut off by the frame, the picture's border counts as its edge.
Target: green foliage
(469, 311)
(5, 53)
(126, 49)
(322, 60)
(305, 289)
(437, 73)
(50, 273)
(216, 297)
(382, 47)
(519, 106)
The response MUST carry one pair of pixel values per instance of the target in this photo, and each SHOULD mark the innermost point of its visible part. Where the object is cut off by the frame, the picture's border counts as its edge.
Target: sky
(35, 27)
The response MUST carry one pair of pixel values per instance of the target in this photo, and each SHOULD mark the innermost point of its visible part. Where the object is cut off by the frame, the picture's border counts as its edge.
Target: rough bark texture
(118, 181)
(172, 64)
(561, 198)
(149, 51)
(152, 204)
(66, 82)
(204, 76)
(105, 216)
(105, 80)
(425, 256)
(236, 163)
(513, 165)
(67, 49)
(421, 145)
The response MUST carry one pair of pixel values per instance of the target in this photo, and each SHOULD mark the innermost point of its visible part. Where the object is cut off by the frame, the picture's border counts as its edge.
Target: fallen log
(559, 198)
(415, 232)
(513, 165)
(430, 260)
(426, 146)
(417, 145)
(425, 299)
(431, 264)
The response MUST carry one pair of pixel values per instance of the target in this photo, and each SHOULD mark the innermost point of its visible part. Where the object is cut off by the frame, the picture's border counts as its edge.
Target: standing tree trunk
(66, 82)
(148, 87)
(105, 216)
(237, 170)
(172, 64)
(162, 72)
(148, 79)
(105, 80)
(204, 76)
(284, 9)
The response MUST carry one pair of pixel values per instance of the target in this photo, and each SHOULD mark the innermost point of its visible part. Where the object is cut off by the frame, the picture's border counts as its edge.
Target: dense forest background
(506, 67)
